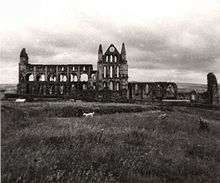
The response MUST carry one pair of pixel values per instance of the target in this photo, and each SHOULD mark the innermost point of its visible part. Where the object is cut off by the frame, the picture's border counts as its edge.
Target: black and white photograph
(110, 91)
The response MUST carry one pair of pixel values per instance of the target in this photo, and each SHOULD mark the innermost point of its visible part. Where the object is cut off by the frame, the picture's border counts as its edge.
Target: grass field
(47, 142)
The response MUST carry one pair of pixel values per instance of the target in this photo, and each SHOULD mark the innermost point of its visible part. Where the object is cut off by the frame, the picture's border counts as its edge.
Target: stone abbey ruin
(109, 83)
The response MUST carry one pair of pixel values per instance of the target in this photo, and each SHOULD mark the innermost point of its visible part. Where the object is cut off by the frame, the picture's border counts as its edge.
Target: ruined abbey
(108, 83)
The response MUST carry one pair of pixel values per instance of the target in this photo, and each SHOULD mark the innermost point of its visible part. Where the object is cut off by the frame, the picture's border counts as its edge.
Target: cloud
(182, 40)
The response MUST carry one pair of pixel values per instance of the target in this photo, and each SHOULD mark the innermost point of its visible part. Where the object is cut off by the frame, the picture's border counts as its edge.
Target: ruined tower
(213, 96)
(22, 66)
(112, 69)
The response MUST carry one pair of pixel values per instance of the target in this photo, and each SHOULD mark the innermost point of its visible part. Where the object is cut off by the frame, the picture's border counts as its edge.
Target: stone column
(68, 80)
(78, 74)
(35, 73)
(45, 73)
(57, 80)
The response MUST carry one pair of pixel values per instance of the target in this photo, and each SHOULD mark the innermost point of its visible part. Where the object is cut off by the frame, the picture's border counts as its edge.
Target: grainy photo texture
(110, 91)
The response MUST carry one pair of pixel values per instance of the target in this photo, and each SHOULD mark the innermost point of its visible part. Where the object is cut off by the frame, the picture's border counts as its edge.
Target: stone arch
(93, 76)
(62, 68)
(136, 87)
(170, 90)
(147, 89)
(111, 87)
(51, 77)
(84, 77)
(62, 77)
(117, 86)
(40, 77)
(158, 91)
(73, 78)
(94, 86)
(84, 86)
(105, 85)
(29, 77)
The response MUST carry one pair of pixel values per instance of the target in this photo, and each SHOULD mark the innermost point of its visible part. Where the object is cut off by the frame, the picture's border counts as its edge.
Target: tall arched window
(106, 58)
(117, 86)
(117, 71)
(116, 59)
(104, 85)
(111, 71)
(147, 89)
(111, 85)
(29, 77)
(111, 58)
(42, 77)
(75, 78)
(104, 71)
(136, 88)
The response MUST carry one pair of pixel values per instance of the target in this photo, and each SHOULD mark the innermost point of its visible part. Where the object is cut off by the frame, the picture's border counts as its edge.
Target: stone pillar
(78, 74)
(57, 80)
(45, 73)
(213, 96)
(68, 74)
(57, 74)
(35, 73)
(68, 80)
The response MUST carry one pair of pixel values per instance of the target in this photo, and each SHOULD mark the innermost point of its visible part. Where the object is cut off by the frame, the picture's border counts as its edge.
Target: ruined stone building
(108, 83)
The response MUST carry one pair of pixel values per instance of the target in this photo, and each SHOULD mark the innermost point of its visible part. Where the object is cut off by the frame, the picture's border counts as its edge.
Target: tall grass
(120, 147)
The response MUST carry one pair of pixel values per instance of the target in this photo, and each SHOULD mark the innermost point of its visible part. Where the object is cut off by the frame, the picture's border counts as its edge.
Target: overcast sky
(166, 40)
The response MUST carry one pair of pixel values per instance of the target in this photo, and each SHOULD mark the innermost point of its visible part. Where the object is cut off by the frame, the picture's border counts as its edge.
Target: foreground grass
(120, 147)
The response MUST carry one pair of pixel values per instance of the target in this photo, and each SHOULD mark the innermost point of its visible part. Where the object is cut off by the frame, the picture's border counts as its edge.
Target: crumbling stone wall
(212, 90)
(108, 83)
(54, 80)
(152, 91)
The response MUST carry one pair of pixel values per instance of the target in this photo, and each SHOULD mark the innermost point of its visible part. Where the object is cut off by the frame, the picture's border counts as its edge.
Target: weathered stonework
(212, 91)
(151, 91)
(80, 81)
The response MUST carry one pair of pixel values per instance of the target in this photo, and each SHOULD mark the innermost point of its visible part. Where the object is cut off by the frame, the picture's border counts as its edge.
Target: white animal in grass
(20, 100)
(91, 114)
